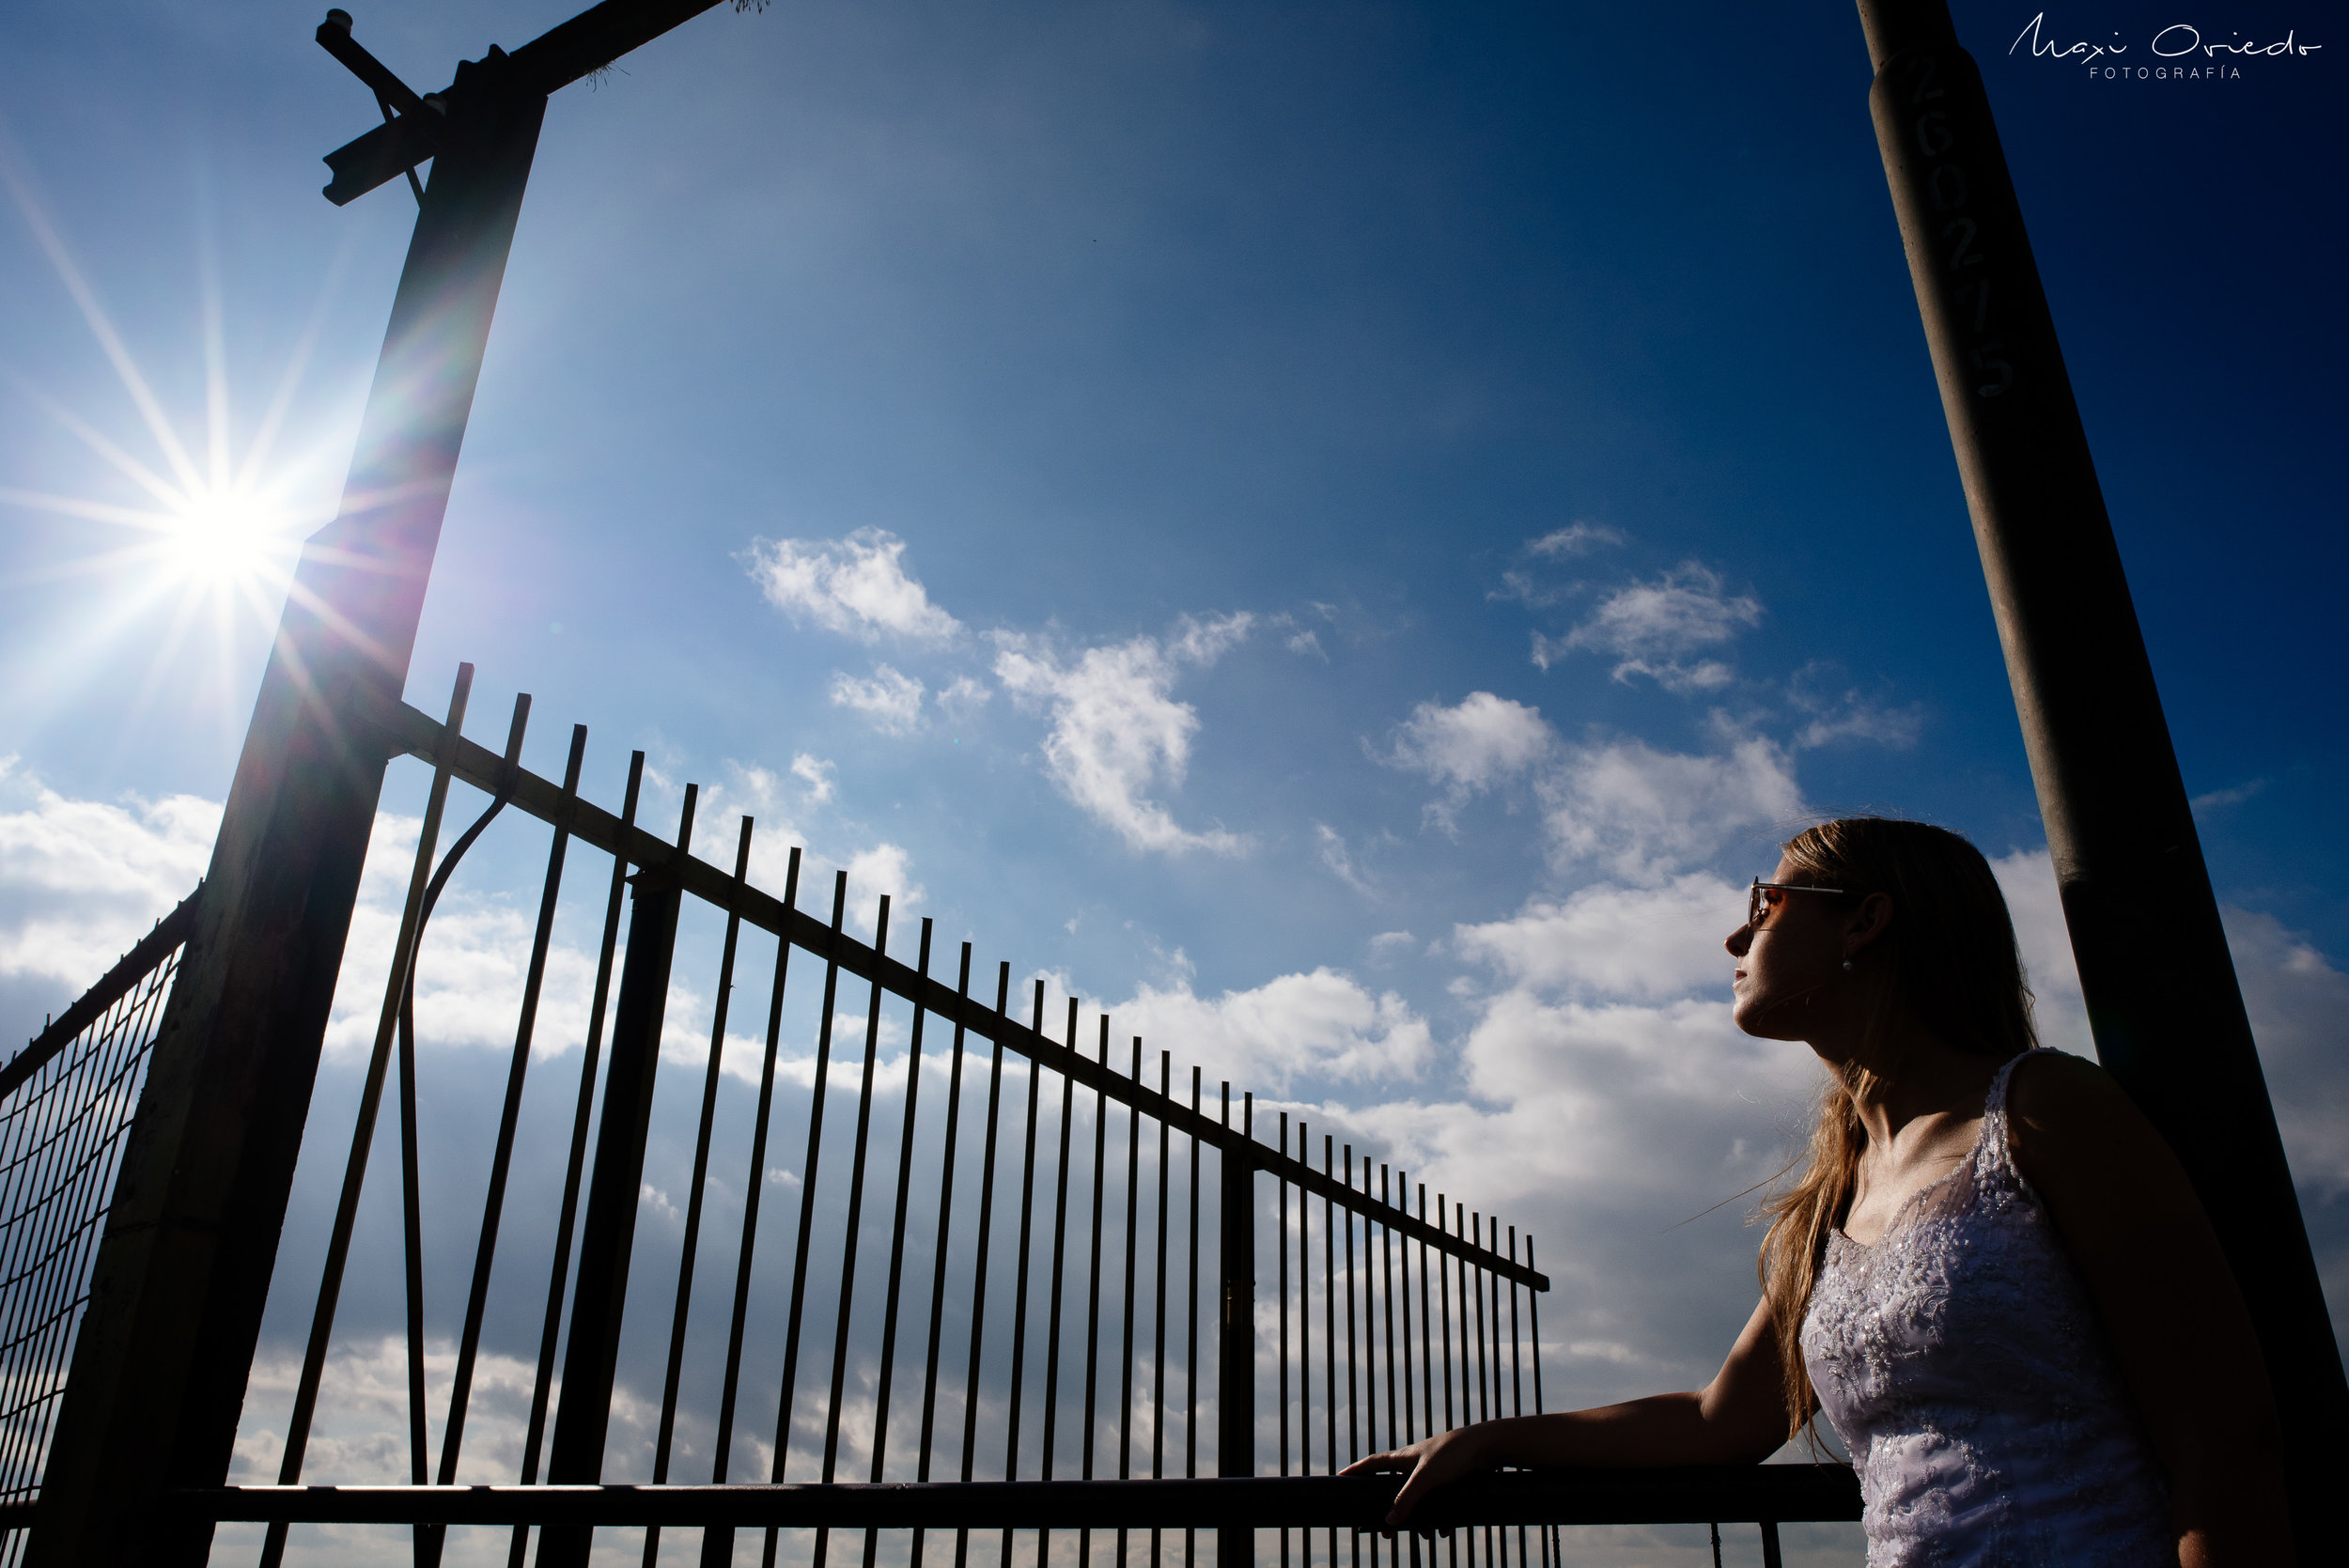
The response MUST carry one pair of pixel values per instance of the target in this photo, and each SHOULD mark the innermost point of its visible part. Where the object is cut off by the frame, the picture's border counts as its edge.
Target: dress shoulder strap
(1994, 1149)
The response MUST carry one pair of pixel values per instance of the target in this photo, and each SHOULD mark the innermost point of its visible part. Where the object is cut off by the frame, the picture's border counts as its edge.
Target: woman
(1992, 1276)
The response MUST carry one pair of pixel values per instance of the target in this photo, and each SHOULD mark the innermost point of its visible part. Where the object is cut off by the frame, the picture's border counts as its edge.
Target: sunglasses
(1765, 896)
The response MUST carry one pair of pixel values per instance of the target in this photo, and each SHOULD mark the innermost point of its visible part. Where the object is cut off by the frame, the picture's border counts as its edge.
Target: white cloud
(1338, 861)
(1319, 1026)
(1481, 743)
(748, 790)
(856, 586)
(1705, 675)
(1118, 733)
(884, 868)
(1308, 641)
(815, 773)
(963, 697)
(2027, 878)
(1849, 716)
(1576, 538)
(2218, 798)
(1642, 814)
(892, 700)
(2299, 1007)
(1650, 628)
(82, 881)
(1680, 612)
(1650, 943)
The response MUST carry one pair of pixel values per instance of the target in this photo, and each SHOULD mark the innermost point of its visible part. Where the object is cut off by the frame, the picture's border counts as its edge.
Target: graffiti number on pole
(1962, 263)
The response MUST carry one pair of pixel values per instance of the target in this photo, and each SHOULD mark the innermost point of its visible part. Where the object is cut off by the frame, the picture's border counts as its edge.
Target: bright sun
(197, 539)
(227, 543)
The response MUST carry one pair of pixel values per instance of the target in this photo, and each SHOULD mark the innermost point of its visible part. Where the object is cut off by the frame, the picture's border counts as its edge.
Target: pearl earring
(1847, 963)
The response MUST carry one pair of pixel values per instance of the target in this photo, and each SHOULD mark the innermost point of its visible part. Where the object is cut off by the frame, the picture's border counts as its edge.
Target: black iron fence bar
(1365, 1270)
(1304, 1336)
(1126, 1377)
(408, 731)
(978, 1265)
(690, 1248)
(1191, 1343)
(1125, 1356)
(1158, 1315)
(443, 756)
(1328, 1329)
(510, 1120)
(843, 1320)
(542, 1383)
(1427, 1329)
(119, 981)
(1060, 1264)
(945, 1218)
(1093, 1278)
(897, 1233)
(1353, 1373)
(1387, 1306)
(898, 1239)
(607, 1238)
(718, 1545)
(412, 1201)
(1059, 1259)
(1699, 1495)
(1304, 1328)
(795, 1319)
(1281, 1298)
(1403, 1271)
(1021, 1271)
(938, 1253)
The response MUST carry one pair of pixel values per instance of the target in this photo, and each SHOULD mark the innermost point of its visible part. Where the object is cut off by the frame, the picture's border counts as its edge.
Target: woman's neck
(1910, 1072)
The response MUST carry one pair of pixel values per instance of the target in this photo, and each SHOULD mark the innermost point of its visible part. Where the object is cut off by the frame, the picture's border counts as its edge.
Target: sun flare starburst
(196, 544)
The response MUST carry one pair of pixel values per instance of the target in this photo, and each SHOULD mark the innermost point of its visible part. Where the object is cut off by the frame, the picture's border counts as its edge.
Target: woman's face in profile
(1797, 951)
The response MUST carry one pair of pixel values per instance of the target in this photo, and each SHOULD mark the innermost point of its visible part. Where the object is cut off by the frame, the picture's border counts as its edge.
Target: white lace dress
(1959, 1361)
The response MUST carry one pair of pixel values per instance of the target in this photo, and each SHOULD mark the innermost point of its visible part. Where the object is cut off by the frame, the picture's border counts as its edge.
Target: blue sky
(1342, 531)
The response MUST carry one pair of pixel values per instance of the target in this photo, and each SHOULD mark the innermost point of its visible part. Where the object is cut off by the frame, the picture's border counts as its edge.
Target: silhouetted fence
(1025, 1279)
(1001, 1271)
(66, 1101)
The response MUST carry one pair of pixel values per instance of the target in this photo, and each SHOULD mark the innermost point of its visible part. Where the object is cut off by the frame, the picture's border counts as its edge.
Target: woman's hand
(1432, 1462)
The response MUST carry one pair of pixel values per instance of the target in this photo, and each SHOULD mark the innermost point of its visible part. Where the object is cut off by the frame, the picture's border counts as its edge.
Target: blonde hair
(1949, 953)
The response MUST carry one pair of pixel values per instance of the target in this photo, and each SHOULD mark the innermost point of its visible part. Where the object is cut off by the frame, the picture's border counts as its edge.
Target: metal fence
(66, 1101)
(1088, 1269)
(1033, 1283)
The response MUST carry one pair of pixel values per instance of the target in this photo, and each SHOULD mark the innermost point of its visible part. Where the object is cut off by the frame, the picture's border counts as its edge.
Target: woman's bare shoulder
(2080, 1140)
(2054, 1090)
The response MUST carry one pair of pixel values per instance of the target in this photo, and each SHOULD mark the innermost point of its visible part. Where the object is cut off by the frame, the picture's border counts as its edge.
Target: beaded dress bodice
(1961, 1363)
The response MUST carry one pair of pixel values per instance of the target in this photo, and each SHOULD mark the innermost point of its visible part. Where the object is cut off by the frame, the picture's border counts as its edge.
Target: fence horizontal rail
(409, 731)
(1714, 1494)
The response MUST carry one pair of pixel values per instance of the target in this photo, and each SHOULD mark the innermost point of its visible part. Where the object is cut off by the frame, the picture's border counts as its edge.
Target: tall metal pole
(2154, 966)
(183, 1270)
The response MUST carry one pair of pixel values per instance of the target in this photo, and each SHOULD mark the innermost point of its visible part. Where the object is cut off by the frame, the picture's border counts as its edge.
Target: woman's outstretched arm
(1738, 1418)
